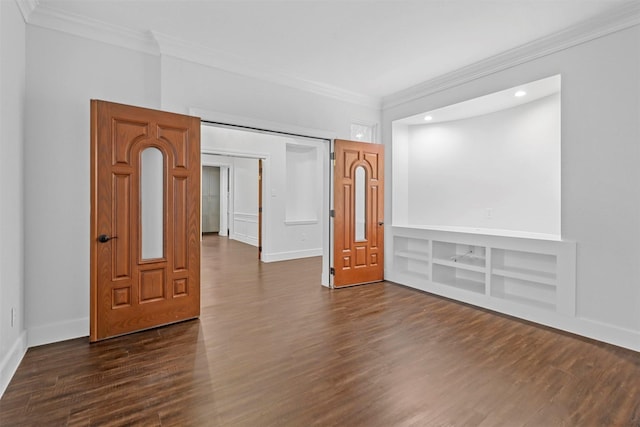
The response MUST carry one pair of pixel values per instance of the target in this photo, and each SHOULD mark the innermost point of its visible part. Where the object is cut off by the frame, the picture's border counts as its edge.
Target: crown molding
(151, 42)
(49, 17)
(26, 8)
(626, 16)
(224, 61)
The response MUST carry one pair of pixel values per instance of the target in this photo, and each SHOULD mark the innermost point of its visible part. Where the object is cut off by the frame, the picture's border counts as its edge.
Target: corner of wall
(59, 331)
(12, 360)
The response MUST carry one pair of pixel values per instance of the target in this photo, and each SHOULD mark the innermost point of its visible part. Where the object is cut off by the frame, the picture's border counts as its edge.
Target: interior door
(359, 213)
(145, 218)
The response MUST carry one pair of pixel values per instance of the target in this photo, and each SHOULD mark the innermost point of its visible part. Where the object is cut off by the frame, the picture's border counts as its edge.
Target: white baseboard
(12, 360)
(604, 332)
(284, 256)
(611, 334)
(253, 241)
(60, 331)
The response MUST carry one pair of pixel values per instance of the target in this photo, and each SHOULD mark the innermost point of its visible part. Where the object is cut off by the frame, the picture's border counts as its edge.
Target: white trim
(246, 217)
(295, 222)
(244, 239)
(592, 329)
(284, 256)
(259, 125)
(235, 153)
(621, 18)
(59, 331)
(214, 58)
(153, 42)
(48, 16)
(11, 361)
(27, 7)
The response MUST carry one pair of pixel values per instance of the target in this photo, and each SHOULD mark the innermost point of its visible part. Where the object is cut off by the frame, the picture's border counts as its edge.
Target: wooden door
(145, 218)
(359, 213)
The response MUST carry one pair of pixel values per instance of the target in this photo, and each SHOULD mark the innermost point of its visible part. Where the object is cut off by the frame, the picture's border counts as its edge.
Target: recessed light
(428, 118)
(520, 93)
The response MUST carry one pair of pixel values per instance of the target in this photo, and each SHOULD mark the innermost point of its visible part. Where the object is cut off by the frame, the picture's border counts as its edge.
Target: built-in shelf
(511, 273)
(543, 305)
(464, 279)
(526, 274)
(471, 264)
(412, 256)
(419, 256)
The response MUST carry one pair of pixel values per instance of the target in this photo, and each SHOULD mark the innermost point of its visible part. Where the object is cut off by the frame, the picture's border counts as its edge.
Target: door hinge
(259, 248)
(332, 213)
(259, 210)
(332, 271)
(332, 157)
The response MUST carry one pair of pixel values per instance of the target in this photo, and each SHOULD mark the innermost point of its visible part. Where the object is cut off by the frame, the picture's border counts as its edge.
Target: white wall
(12, 104)
(63, 73)
(282, 239)
(245, 201)
(600, 174)
(507, 162)
(303, 172)
(187, 85)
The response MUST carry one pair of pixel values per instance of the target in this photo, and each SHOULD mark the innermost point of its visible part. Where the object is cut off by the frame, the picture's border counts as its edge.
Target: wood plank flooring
(274, 348)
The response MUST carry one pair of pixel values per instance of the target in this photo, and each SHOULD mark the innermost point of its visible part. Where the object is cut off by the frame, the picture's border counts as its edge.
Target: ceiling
(368, 47)
(507, 98)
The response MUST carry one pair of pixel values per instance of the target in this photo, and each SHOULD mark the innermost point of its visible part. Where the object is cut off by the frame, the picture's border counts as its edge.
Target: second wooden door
(359, 213)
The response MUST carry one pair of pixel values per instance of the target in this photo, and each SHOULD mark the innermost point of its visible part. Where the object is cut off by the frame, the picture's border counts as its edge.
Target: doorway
(211, 211)
(295, 189)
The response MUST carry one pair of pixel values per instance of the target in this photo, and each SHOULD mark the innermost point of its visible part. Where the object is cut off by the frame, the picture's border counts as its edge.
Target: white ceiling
(369, 47)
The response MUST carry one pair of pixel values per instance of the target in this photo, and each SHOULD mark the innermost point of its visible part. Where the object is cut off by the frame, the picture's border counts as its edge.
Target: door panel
(128, 291)
(358, 260)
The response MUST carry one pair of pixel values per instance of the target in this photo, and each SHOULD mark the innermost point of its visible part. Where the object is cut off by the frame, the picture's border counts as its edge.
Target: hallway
(273, 347)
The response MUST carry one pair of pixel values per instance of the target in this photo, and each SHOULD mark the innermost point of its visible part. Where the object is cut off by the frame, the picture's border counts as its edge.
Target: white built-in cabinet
(517, 275)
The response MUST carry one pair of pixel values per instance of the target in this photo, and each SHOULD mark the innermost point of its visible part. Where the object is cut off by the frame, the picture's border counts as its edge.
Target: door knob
(103, 238)
(381, 223)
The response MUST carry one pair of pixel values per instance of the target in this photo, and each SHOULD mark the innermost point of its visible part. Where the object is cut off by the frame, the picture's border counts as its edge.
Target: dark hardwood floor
(274, 348)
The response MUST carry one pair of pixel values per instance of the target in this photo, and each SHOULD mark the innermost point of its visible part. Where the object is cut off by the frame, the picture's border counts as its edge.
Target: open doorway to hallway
(211, 209)
(292, 189)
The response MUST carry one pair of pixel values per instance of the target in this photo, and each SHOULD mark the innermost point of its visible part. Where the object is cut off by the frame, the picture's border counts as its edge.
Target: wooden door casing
(357, 262)
(129, 293)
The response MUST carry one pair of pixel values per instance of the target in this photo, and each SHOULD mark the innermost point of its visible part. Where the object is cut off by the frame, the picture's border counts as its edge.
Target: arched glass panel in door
(152, 203)
(360, 204)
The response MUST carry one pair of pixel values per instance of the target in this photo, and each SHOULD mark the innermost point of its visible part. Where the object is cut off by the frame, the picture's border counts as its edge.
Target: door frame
(251, 124)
